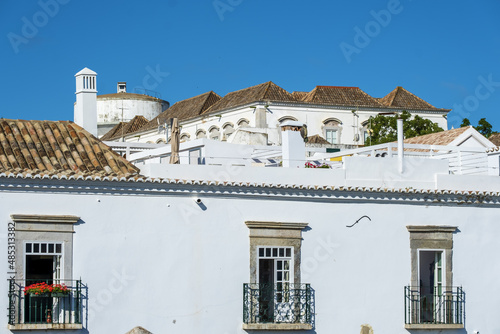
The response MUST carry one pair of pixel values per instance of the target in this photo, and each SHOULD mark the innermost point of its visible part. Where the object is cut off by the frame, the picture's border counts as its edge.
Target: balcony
(434, 308)
(47, 310)
(280, 306)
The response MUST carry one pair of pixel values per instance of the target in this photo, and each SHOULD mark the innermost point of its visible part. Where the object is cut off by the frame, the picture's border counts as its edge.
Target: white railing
(462, 160)
(126, 148)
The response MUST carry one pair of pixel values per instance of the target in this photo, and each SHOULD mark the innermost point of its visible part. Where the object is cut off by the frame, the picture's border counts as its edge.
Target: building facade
(228, 249)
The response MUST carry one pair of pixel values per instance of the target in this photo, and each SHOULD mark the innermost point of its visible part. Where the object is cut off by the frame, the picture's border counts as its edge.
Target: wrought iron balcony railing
(277, 303)
(434, 305)
(45, 308)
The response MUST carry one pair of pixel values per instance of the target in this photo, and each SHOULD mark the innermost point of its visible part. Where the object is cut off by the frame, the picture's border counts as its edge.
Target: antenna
(123, 125)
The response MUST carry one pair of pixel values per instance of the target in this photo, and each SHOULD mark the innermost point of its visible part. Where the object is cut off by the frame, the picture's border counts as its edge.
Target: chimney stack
(292, 144)
(86, 100)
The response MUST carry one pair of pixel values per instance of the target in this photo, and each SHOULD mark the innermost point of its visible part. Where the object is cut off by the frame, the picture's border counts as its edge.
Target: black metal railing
(278, 303)
(45, 308)
(434, 305)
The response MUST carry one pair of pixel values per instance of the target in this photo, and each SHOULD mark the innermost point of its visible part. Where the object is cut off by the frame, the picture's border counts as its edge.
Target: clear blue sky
(446, 52)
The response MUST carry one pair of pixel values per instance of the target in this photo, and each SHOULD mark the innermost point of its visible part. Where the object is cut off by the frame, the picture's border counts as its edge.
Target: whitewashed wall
(110, 109)
(314, 117)
(181, 268)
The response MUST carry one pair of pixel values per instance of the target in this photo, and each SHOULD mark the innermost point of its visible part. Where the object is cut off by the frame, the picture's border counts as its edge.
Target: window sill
(277, 327)
(434, 326)
(31, 327)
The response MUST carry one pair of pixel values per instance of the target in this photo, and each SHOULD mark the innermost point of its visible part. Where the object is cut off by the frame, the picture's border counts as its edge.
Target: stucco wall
(153, 257)
(314, 117)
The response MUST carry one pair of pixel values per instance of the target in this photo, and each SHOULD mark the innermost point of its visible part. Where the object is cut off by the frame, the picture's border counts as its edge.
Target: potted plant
(43, 289)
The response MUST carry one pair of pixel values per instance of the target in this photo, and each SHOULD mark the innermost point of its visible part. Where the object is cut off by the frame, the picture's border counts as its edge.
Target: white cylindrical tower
(85, 113)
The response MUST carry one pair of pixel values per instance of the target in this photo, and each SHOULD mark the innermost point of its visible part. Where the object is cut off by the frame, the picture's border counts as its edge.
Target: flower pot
(32, 294)
(59, 294)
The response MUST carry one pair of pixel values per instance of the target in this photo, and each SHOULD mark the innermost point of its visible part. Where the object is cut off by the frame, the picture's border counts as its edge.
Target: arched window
(201, 134)
(214, 133)
(332, 128)
(365, 132)
(243, 123)
(184, 137)
(287, 118)
(161, 141)
(227, 130)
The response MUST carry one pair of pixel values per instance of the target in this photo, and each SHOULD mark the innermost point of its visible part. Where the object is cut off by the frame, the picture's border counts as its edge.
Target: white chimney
(292, 144)
(86, 100)
(121, 87)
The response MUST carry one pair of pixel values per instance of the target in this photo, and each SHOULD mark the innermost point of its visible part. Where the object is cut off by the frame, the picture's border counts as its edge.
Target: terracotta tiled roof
(57, 148)
(401, 98)
(299, 95)
(128, 96)
(124, 128)
(317, 139)
(438, 138)
(267, 91)
(184, 109)
(341, 96)
(495, 139)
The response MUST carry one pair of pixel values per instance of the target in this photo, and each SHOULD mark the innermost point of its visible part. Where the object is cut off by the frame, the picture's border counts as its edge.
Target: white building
(236, 249)
(253, 115)
(110, 110)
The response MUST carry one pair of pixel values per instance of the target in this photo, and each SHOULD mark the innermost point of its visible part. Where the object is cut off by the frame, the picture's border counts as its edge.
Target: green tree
(484, 128)
(465, 122)
(383, 129)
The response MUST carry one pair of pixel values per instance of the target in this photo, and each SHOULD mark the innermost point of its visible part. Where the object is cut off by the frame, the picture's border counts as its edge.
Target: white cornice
(296, 192)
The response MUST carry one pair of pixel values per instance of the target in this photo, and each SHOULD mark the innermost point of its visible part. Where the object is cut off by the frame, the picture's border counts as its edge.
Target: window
(332, 130)
(431, 298)
(331, 136)
(228, 130)
(287, 118)
(214, 133)
(276, 298)
(184, 137)
(201, 134)
(243, 123)
(44, 248)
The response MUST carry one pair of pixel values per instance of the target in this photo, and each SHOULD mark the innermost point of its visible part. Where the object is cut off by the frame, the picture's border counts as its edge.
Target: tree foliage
(483, 126)
(383, 129)
(465, 122)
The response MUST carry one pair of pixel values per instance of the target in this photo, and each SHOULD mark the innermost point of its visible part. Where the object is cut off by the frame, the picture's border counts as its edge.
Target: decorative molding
(434, 326)
(31, 327)
(277, 327)
(276, 225)
(51, 219)
(431, 228)
(228, 189)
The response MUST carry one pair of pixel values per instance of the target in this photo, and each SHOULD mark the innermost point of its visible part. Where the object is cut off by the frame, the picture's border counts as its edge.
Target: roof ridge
(345, 87)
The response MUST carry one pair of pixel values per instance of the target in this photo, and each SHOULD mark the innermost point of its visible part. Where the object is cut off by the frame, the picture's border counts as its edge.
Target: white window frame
(277, 258)
(60, 275)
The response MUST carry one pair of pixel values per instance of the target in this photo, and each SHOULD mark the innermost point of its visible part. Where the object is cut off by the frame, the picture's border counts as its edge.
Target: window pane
(268, 252)
(275, 252)
(279, 276)
(288, 252)
(51, 248)
(282, 252)
(58, 248)
(28, 248)
(280, 265)
(287, 265)
(287, 276)
(36, 248)
(44, 248)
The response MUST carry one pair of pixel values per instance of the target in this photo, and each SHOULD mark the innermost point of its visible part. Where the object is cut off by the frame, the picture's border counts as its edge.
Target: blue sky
(446, 52)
